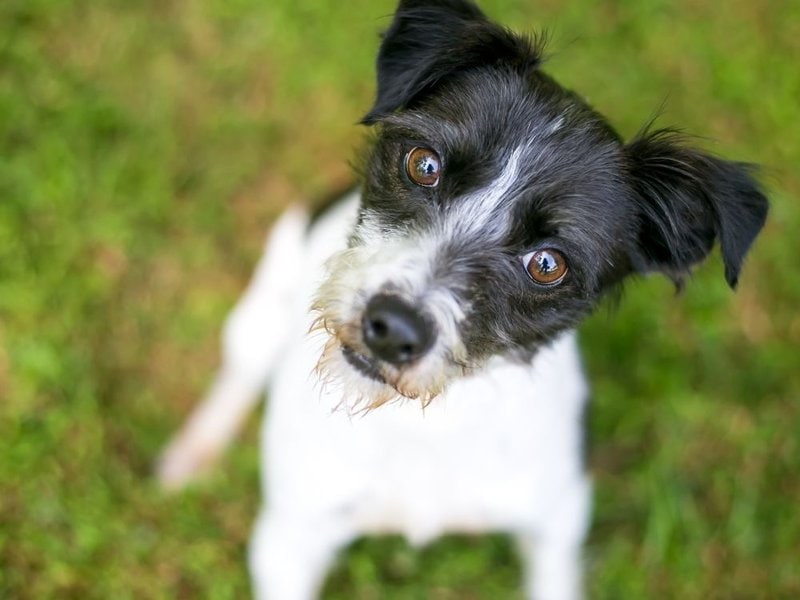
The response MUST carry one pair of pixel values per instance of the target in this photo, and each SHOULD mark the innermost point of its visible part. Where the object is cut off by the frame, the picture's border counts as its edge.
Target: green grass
(146, 146)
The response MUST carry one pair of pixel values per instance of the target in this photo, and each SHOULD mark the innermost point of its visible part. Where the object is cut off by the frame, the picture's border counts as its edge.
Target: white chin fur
(358, 392)
(421, 381)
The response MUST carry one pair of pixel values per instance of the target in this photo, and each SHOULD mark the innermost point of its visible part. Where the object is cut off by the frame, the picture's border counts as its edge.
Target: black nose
(395, 331)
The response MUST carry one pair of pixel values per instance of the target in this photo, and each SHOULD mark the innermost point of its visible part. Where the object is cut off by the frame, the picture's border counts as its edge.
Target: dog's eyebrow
(394, 130)
(416, 125)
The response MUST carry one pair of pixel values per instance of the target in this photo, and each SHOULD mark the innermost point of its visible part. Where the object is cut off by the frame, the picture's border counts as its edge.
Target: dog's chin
(366, 383)
(358, 378)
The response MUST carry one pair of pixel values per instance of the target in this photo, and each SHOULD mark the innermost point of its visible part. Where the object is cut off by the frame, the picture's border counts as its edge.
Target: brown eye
(423, 166)
(545, 266)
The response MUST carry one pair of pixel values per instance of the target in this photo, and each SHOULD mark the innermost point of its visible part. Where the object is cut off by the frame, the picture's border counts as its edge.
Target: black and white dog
(496, 210)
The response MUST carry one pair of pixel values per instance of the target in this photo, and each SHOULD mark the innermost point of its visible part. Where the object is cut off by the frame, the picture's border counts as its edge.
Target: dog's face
(498, 207)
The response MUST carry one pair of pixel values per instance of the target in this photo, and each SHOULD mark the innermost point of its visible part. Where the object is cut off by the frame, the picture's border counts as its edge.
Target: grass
(146, 147)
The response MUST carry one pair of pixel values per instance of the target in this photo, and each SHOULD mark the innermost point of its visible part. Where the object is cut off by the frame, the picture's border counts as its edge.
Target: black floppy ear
(686, 199)
(430, 39)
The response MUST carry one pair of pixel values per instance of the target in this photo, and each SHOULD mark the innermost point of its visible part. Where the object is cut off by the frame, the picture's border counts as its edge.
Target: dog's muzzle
(388, 339)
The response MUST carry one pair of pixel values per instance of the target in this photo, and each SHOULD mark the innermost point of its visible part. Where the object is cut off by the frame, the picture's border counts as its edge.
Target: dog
(440, 388)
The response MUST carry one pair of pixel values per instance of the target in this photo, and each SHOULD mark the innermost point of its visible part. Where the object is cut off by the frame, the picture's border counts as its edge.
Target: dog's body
(499, 451)
(496, 210)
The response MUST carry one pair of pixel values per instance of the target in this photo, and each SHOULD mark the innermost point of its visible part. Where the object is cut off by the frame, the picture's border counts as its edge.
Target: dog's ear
(685, 200)
(431, 39)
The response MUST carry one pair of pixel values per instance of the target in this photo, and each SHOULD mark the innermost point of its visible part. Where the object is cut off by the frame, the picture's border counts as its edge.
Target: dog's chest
(486, 455)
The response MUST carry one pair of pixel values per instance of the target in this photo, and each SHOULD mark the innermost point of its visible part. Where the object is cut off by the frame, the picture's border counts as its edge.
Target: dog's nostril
(379, 328)
(395, 331)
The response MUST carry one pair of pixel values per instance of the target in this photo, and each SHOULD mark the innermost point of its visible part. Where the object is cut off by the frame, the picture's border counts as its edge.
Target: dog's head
(498, 208)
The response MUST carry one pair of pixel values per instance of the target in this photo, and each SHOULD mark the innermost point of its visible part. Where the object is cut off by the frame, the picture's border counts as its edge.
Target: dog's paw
(184, 460)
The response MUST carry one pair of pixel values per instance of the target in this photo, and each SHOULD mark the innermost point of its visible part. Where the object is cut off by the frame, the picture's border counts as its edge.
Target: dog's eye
(423, 166)
(546, 266)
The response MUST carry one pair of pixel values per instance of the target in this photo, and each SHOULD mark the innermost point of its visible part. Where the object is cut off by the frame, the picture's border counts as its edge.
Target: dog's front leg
(290, 554)
(551, 552)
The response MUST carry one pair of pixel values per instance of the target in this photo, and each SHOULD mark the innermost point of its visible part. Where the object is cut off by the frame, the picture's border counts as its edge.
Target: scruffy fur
(477, 401)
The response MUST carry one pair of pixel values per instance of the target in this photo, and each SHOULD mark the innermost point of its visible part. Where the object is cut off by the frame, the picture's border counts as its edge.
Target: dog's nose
(395, 331)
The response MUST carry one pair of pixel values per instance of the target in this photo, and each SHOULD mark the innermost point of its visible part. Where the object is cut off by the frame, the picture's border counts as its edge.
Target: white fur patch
(478, 212)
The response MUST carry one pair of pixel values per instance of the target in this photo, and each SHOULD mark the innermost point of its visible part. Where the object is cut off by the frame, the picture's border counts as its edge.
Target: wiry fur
(525, 165)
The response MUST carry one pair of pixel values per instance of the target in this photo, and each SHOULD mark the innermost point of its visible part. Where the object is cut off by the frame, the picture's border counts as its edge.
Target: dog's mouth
(363, 364)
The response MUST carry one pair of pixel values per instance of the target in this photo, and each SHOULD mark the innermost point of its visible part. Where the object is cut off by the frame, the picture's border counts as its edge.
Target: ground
(146, 147)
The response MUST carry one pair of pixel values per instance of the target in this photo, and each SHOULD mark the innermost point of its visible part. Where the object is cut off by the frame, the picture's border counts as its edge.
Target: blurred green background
(146, 146)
